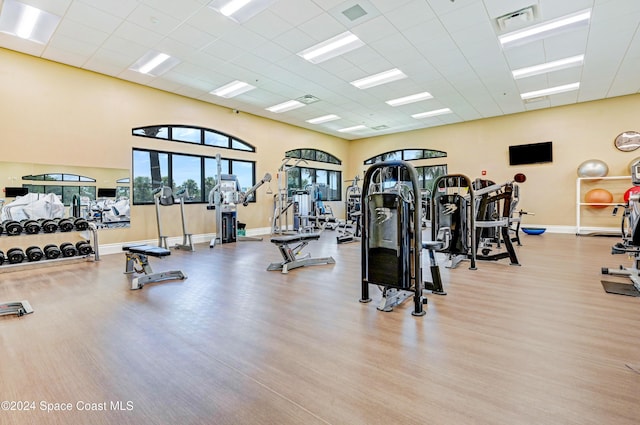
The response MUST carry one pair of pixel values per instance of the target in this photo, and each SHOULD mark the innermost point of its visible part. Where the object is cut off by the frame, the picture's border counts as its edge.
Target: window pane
(123, 192)
(53, 177)
(68, 192)
(335, 186)
(153, 131)
(244, 171)
(88, 191)
(143, 183)
(321, 184)
(307, 177)
(236, 144)
(322, 156)
(391, 156)
(293, 180)
(431, 173)
(185, 134)
(293, 153)
(211, 174)
(308, 154)
(411, 154)
(216, 139)
(186, 175)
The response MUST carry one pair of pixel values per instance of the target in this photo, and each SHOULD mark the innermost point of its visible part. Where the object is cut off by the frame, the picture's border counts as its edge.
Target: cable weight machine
(391, 235)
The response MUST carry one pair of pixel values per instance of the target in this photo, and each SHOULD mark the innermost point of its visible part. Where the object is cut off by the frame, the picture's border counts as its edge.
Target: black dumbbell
(48, 225)
(2, 258)
(81, 224)
(12, 227)
(68, 250)
(30, 227)
(34, 253)
(15, 256)
(1, 228)
(51, 251)
(84, 248)
(65, 225)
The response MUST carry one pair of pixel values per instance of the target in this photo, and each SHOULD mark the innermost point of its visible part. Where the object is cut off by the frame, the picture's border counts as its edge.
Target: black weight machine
(392, 237)
(630, 244)
(351, 229)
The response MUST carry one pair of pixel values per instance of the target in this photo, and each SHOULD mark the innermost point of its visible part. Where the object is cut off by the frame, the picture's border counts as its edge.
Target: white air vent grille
(308, 99)
(517, 19)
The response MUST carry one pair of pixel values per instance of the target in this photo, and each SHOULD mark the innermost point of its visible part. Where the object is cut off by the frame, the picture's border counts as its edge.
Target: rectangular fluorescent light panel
(232, 89)
(409, 99)
(286, 106)
(154, 63)
(548, 67)
(335, 46)
(551, 90)
(378, 79)
(240, 10)
(354, 128)
(27, 22)
(432, 113)
(545, 29)
(323, 119)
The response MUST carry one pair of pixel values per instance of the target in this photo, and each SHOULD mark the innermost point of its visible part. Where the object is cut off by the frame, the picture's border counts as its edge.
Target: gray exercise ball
(593, 168)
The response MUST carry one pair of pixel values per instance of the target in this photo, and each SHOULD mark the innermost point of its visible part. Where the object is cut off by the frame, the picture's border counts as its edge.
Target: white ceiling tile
(91, 17)
(322, 27)
(18, 44)
(119, 8)
(412, 13)
(179, 10)
(64, 56)
(296, 12)
(80, 32)
(137, 34)
(268, 25)
(56, 7)
(153, 20)
(470, 15)
(295, 40)
(192, 36)
(211, 22)
(378, 28)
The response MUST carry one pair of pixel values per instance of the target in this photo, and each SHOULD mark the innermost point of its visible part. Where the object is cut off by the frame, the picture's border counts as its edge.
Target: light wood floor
(235, 344)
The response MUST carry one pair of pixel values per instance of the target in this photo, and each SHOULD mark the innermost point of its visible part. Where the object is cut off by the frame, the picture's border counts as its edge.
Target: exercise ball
(593, 168)
(631, 191)
(598, 196)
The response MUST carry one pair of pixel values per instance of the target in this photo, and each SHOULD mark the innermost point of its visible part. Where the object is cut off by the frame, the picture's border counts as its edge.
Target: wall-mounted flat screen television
(106, 192)
(533, 153)
(12, 192)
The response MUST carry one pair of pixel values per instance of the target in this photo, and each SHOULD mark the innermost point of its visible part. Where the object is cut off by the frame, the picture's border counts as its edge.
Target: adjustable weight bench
(291, 255)
(19, 308)
(138, 262)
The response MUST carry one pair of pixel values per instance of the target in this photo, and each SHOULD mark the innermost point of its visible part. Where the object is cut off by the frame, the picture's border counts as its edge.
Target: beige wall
(579, 132)
(56, 114)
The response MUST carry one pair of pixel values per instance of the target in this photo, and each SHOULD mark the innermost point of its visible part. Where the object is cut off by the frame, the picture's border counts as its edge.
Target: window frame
(230, 139)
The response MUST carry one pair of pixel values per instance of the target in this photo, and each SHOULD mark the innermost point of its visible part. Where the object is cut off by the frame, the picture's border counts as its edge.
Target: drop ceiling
(447, 48)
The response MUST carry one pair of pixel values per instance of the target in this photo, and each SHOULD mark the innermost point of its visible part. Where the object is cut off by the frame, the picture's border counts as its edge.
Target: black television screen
(106, 193)
(533, 153)
(12, 192)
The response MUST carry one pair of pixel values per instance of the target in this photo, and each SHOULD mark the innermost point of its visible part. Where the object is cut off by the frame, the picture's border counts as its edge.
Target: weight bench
(19, 308)
(291, 255)
(137, 255)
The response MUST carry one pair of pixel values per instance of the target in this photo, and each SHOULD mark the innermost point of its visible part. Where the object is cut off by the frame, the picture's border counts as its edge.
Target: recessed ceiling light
(240, 10)
(432, 113)
(548, 67)
(551, 90)
(232, 89)
(409, 99)
(154, 63)
(27, 22)
(286, 106)
(354, 128)
(323, 119)
(378, 79)
(546, 29)
(335, 46)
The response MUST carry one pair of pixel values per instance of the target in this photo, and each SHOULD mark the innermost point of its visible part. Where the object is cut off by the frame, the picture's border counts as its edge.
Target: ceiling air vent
(536, 99)
(308, 99)
(380, 127)
(517, 19)
(354, 12)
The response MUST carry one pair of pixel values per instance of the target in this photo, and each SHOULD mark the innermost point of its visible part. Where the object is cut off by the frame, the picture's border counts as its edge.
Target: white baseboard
(116, 248)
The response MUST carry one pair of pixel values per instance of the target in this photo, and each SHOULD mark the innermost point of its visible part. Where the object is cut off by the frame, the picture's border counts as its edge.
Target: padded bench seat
(136, 254)
(291, 255)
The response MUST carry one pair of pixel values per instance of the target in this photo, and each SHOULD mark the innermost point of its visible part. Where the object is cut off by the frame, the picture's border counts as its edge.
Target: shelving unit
(6, 267)
(617, 185)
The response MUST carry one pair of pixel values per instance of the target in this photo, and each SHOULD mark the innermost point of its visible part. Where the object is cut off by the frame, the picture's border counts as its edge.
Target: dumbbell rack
(51, 262)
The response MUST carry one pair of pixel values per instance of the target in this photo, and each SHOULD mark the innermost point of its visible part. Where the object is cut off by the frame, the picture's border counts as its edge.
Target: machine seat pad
(153, 251)
(432, 245)
(283, 240)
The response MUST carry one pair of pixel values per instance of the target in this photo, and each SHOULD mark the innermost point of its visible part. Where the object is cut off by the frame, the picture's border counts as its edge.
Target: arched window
(196, 135)
(406, 155)
(313, 155)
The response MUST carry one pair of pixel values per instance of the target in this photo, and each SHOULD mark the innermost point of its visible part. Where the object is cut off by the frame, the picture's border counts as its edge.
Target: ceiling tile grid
(449, 48)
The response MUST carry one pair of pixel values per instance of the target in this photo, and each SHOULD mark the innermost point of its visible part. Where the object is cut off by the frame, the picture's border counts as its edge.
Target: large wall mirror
(35, 191)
